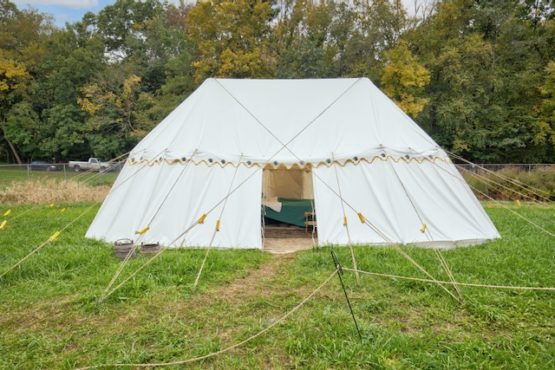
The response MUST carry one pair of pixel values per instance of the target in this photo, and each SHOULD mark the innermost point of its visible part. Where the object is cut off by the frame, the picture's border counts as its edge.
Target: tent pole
(339, 271)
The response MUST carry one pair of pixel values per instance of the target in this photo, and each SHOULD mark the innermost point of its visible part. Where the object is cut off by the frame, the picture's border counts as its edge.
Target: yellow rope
(474, 285)
(227, 349)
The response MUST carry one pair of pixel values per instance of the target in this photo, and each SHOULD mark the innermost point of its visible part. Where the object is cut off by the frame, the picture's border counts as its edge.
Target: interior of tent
(288, 210)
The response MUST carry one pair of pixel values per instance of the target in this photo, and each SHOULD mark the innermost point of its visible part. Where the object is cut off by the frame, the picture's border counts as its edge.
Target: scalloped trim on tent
(300, 165)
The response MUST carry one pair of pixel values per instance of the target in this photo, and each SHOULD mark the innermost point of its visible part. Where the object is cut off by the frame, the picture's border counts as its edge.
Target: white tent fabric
(381, 192)
(197, 189)
(345, 131)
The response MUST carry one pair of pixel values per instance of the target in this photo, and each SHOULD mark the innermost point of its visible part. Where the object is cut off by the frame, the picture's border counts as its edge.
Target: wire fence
(523, 167)
(105, 173)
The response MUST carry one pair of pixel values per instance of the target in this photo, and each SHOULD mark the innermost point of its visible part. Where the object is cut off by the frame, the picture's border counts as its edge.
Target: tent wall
(287, 183)
(398, 197)
(132, 205)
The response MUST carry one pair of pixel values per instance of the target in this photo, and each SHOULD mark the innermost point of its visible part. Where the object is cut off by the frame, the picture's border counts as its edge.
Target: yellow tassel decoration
(361, 218)
(218, 225)
(54, 236)
(143, 230)
(202, 218)
(344, 220)
(423, 228)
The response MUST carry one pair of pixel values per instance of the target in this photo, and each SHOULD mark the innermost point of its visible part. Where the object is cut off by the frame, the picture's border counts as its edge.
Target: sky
(64, 11)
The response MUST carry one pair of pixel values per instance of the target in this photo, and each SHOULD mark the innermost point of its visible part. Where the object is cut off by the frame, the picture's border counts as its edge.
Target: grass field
(49, 318)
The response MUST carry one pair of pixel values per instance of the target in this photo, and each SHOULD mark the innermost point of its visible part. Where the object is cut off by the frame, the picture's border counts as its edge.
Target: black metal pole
(340, 275)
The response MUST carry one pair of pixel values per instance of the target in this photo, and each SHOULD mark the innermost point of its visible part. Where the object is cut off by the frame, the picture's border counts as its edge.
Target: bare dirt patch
(287, 245)
(252, 284)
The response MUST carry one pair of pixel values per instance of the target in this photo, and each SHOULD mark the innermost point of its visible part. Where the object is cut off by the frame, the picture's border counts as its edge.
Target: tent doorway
(288, 213)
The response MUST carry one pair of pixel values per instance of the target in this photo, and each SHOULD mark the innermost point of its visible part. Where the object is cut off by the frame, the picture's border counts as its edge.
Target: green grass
(11, 174)
(49, 318)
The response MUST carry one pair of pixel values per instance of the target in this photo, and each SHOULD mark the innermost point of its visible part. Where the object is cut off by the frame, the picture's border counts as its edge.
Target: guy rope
(57, 233)
(498, 202)
(110, 162)
(143, 231)
(226, 349)
(217, 226)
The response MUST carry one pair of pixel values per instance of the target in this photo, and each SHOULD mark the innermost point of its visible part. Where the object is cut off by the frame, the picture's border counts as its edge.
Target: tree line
(477, 75)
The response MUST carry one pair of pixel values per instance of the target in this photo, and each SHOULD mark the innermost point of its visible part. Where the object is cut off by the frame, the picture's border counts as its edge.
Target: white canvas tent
(370, 164)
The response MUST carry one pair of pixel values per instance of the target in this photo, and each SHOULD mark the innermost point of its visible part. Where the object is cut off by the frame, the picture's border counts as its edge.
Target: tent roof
(285, 121)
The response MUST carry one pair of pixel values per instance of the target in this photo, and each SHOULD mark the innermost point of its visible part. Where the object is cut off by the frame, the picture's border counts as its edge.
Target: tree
(21, 33)
(404, 79)
(115, 114)
(546, 111)
(231, 38)
(486, 60)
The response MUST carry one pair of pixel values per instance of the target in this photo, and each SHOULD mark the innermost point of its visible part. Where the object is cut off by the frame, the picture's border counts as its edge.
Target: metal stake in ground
(340, 275)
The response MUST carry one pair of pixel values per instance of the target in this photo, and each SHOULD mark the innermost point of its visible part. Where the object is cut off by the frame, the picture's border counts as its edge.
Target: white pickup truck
(92, 164)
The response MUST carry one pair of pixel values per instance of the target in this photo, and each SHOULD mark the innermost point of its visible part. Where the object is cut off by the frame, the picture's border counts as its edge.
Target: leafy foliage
(478, 76)
(404, 78)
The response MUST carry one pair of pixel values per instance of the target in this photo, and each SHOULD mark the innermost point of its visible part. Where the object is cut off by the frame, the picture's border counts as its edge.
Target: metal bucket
(123, 247)
(150, 249)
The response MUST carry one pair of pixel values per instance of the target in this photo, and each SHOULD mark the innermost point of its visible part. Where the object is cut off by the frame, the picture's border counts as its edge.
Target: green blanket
(292, 211)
